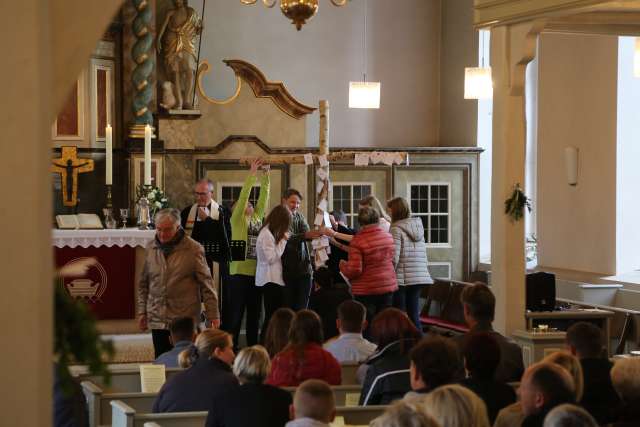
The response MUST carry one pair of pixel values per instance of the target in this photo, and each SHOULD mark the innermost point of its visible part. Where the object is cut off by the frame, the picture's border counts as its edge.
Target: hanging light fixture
(477, 80)
(636, 58)
(364, 94)
(299, 11)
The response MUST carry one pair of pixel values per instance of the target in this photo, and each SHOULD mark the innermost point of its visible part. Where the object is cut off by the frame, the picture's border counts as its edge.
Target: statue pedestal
(180, 114)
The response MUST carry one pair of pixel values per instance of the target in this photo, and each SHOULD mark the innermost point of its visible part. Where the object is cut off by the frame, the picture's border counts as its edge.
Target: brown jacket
(171, 287)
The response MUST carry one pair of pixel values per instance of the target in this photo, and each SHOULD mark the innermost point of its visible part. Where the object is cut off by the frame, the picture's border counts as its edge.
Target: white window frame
(441, 263)
(448, 184)
(219, 186)
(354, 215)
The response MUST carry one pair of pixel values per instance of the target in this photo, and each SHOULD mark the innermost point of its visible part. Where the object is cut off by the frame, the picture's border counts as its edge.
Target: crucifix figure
(68, 165)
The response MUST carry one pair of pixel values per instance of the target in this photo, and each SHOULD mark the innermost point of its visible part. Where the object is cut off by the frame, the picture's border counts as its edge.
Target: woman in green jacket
(246, 222)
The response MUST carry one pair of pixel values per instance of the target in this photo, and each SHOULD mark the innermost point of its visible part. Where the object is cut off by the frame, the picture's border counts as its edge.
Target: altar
(109, 288)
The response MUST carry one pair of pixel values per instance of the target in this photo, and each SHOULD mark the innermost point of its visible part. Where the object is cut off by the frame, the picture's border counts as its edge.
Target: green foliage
(157, 199)
(76, 338)
(514, 205)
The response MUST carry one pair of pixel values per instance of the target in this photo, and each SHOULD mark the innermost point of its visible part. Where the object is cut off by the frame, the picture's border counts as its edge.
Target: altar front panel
(109, 287)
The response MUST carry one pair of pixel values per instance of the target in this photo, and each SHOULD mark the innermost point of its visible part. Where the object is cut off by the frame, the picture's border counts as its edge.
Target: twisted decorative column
(142, 55)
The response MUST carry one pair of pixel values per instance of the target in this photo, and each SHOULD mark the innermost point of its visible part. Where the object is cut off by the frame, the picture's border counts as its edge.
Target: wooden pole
(324, 127)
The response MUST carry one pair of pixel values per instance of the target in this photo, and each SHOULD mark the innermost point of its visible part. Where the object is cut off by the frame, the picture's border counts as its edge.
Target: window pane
(346, 192)
(366, 190)
(443, 236)
(434, 206)
(435, 193)
(443, 206)
(423, 206)
(415, 207)
(424, 192)
(415, 190)
(433, 236)
(435, 222)
(444, 192)
(444, 222)
(425, 222)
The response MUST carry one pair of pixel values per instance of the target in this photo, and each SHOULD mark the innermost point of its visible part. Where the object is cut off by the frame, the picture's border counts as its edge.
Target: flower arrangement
(156, 197)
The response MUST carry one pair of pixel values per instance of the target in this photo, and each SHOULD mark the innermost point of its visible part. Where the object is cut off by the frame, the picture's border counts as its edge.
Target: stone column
(512, 47)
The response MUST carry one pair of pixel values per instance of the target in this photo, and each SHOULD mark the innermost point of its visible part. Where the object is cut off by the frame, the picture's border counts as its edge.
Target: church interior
(98, 126)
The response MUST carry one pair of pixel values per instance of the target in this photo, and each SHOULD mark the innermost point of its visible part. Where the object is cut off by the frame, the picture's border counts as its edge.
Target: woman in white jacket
(270, 245)
(410, 259)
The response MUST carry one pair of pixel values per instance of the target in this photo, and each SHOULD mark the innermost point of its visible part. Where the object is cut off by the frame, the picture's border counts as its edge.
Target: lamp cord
(364, 44)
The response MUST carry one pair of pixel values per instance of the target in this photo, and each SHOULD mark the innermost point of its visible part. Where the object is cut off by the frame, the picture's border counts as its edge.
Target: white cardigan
(269, 266)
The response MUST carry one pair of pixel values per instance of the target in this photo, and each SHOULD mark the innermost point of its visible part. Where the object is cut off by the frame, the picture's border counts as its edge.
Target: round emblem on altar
(91, 287)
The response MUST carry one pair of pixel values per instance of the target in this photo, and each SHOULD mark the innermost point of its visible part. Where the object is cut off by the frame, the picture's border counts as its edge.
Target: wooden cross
(68, 165)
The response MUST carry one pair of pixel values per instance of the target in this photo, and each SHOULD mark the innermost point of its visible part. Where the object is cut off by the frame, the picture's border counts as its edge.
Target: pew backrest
(98, 402)
(360, 415)
(125, 416)
(346, 395)
(349, 372)
(124, 379)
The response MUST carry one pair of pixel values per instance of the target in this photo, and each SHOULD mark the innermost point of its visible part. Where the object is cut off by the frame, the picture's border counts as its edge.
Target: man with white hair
(208, 223)
(174, 276)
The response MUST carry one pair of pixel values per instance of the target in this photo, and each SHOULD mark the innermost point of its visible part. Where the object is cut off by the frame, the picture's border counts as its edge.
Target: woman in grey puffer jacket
(410, 259)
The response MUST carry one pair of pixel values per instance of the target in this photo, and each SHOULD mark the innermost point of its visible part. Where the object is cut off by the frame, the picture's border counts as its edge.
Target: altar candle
(108, 149)
(147, 155)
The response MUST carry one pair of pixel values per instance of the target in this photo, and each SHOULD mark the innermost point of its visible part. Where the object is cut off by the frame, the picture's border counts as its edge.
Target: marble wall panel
(179, 177)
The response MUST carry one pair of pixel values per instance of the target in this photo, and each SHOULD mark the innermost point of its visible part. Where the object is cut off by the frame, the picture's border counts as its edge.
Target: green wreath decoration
(514, 205)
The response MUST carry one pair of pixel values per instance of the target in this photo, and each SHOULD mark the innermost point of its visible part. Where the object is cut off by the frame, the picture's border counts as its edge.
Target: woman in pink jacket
(370, 264)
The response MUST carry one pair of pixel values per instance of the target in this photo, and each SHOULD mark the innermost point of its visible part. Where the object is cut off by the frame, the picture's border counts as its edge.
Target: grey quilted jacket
(170, 287)
(410, 259)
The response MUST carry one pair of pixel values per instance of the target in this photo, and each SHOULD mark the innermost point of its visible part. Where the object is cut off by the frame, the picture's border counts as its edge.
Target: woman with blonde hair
(405, 414)
(252, 403)
(209, 373)
(456, 406)
(410, 258)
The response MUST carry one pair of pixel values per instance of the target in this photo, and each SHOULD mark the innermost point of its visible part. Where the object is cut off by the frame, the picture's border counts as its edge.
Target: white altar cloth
(116, 237)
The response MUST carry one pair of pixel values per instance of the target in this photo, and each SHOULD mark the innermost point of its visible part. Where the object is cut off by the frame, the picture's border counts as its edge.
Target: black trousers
(273, 296)
(374, 305)
(297, 292)
(161, 341)
(244, 294)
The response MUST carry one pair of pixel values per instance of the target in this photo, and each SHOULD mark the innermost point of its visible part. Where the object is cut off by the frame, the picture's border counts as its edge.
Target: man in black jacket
(208, 223)
(479, 305)
(586, 342)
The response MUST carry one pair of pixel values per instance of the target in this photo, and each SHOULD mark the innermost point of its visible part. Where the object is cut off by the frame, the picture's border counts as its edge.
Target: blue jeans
(407, 299)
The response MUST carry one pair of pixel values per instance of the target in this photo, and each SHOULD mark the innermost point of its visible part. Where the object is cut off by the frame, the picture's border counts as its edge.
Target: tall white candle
(108, 149)
(147, 155)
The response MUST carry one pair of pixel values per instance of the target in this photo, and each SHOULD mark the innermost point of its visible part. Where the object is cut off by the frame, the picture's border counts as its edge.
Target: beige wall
(577, 107)
(47, 43)
(458, 49)
(403, 48)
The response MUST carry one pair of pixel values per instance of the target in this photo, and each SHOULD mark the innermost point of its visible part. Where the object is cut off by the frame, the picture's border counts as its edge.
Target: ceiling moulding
(488, 13)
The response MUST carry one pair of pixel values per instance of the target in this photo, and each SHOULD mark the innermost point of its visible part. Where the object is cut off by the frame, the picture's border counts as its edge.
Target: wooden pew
(125, 416)
(349, 373)
(98, 402)
(343, 393)
(125, 379)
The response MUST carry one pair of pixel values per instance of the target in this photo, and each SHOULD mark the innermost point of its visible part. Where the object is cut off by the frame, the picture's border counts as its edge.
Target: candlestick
(147, 155)
(108, 150)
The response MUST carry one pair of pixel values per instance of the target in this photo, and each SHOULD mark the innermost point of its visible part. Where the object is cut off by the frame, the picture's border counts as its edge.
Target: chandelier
(299, 11)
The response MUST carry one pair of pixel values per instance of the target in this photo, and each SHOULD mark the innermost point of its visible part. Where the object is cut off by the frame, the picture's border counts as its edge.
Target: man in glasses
(207, 222)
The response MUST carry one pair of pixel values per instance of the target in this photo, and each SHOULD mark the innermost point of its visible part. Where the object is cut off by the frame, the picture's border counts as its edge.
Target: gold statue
(181, 26)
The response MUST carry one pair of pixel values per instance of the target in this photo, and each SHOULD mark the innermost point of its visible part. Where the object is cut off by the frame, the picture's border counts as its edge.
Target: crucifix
(68, 165)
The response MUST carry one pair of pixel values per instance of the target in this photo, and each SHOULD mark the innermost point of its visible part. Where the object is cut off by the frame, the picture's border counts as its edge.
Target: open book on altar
(83, 221)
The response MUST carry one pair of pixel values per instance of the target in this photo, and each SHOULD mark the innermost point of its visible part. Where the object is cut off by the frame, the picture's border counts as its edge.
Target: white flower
(158, 204)
(164, 200)
(151, 196)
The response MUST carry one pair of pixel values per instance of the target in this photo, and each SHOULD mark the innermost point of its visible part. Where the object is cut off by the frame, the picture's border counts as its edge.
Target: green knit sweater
(240, 222)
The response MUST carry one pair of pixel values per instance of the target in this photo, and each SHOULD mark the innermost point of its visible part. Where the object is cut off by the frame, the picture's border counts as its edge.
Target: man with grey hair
(174, 276)
(208, 223)
(568, 415)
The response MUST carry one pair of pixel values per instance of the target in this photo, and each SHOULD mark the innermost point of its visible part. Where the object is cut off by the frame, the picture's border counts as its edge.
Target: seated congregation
(361, 311)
